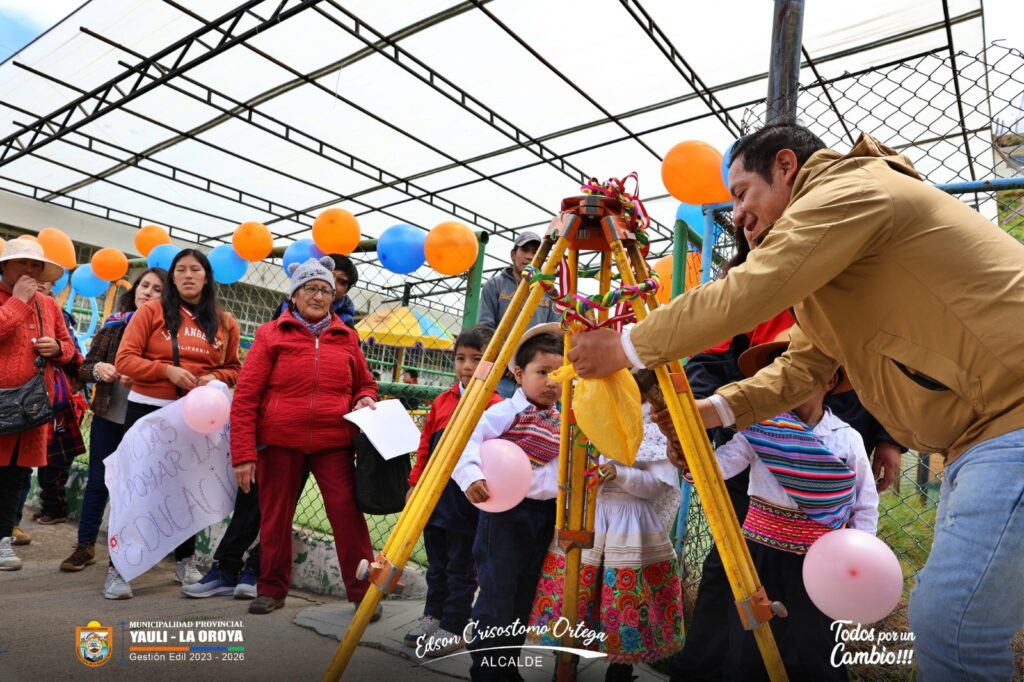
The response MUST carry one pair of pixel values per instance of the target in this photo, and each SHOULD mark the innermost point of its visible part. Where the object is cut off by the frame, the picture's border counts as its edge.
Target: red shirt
(440, 414)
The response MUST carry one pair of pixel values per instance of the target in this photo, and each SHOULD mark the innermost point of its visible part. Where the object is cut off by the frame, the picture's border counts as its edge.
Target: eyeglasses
(312, 290)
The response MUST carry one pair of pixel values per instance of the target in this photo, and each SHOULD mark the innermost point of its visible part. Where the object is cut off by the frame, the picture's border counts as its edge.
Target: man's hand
(365, 401)
(245, 474)
(598, 353)
(182, 378)
(47, 347)
(885, 465)
(477, 492)
(25, 288)
(708, 414)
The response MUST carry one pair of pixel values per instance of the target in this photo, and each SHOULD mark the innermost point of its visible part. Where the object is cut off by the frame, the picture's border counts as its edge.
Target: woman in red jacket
(304, 372)
(31, 327)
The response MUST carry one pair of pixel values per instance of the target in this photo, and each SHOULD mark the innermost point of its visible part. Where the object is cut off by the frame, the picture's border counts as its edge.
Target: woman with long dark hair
(109, 403)
(171, 346)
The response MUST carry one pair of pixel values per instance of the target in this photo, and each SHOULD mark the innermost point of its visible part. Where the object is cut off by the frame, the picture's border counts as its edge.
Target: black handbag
(381, 484)
(27, 406)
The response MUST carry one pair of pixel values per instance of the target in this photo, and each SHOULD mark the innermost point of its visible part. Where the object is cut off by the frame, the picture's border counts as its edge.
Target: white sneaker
(425, 627)
(9, 561)
(186, 573)
(116, 587)
(442, 643)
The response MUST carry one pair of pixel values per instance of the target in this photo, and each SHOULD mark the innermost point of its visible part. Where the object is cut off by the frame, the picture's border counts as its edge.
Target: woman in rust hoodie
(304, 372)
(169, 347)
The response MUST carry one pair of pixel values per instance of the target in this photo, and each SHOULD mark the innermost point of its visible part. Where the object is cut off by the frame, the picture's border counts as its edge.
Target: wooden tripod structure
(588, 223)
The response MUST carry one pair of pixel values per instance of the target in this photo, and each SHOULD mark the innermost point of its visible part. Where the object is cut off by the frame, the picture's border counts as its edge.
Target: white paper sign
(389, 427)
(166, 482)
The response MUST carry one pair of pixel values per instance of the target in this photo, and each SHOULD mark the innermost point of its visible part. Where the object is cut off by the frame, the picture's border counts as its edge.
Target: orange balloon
(336, 231)
(148, 238)
(664, 268)
(692, 173)
(109, 264)
(252, 241)
(57, 247)
(451, 248)
(29, 237)
(3, 243)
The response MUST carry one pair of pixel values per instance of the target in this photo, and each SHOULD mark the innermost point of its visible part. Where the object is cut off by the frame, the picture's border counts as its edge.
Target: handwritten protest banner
(166, 483)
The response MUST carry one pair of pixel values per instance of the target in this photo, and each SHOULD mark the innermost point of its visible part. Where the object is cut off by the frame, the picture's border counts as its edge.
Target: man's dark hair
(345, 264)
(476, 337)
(759, 149)
(542, 343)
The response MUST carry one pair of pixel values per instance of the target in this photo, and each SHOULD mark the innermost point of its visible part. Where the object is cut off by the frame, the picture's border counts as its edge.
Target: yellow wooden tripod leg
(721, 516)
(439, 469)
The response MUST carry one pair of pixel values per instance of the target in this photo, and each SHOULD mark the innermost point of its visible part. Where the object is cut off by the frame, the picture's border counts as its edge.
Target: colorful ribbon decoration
(632, 208)
(575, 307)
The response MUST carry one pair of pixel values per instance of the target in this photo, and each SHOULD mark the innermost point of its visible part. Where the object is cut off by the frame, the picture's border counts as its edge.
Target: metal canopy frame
(237, 29)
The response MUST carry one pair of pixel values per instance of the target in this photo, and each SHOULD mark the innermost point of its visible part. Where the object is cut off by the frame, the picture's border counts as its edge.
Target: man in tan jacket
(921, 299)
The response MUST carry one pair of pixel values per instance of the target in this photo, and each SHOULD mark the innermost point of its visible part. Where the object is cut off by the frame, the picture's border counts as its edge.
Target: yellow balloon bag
(608, 412)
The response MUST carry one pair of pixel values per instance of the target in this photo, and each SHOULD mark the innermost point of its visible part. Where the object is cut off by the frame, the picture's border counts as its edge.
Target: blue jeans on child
(509, 550)
(968, 602)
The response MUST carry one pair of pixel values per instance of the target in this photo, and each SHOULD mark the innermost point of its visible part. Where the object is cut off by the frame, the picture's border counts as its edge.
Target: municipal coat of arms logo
(94, 644)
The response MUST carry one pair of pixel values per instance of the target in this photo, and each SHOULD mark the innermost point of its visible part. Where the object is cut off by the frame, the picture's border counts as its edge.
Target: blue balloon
(692, 215)
(162, 255)
(726, 160)
(86, 283)
(400, 248)
(59, 285)
(300, 252)
(228, 266)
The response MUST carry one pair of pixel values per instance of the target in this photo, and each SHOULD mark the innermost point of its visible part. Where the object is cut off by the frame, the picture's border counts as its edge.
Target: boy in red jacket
(448, 536)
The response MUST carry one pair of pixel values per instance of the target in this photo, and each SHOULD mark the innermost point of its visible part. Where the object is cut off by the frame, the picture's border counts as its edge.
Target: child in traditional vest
(448, 535)
(509, 547)
(629, 588)
(809, 475)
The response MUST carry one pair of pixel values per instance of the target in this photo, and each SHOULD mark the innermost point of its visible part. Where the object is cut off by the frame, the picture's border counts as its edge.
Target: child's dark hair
(541, 343)
(476, 337)
(650, 392)
(413, 373)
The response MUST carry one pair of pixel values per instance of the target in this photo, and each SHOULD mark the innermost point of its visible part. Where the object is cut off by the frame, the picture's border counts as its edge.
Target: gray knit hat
(312, 269)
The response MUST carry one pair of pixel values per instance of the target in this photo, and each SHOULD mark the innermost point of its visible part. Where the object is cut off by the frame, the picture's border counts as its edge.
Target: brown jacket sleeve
(99, 349)
(782, 385)
(820, 234)
(130, 361)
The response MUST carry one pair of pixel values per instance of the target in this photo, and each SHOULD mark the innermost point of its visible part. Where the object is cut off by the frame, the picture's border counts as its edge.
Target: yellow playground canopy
(404, 328)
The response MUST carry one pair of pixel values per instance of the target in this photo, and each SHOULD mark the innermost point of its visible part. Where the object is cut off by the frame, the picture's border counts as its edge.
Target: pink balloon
(852, 575)
(205, 409)
(508, 473)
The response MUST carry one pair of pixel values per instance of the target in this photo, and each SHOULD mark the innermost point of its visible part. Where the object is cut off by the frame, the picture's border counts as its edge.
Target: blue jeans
(104, 437)
(969, 600)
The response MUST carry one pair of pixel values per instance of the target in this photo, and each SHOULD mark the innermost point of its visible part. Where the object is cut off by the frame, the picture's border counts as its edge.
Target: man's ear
(786, 166)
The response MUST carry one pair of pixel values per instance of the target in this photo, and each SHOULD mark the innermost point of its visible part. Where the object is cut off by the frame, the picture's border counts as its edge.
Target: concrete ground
(40, 608)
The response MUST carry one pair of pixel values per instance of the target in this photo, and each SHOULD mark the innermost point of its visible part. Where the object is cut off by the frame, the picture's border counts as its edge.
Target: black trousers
(53, 481)
(804, 637)
(707, 639)
(134, 413)
(11, 478)
(242, 531)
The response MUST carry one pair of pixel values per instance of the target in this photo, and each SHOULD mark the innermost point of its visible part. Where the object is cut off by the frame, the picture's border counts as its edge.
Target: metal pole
(471, 310)
(784, 71)
(708, 246)
(679, 258)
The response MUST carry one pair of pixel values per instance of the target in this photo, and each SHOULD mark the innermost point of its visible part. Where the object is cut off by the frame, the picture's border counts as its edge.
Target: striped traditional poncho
(537, 432)
(820, 483)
